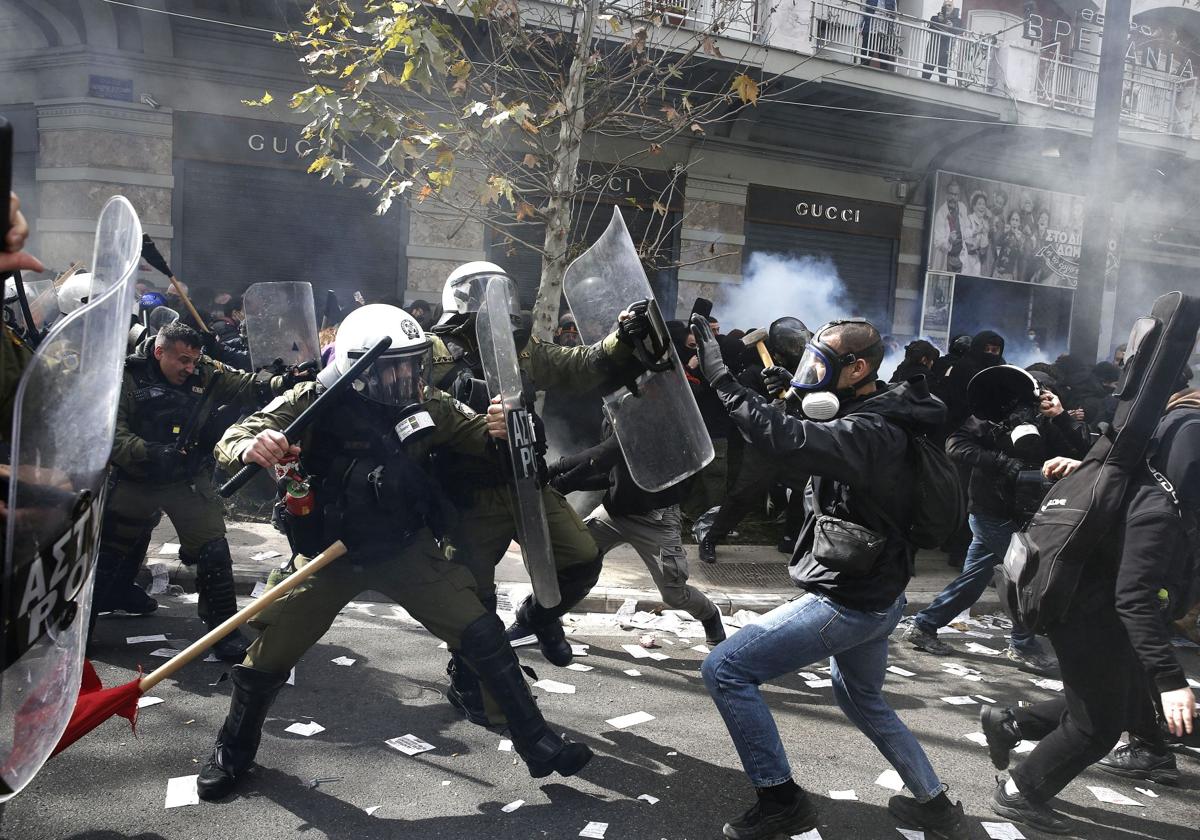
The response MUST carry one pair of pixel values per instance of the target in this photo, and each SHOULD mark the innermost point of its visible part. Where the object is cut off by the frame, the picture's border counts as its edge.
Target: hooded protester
(1081, 389)
(919, 359)
(959, 346)
(987, 350)
(853, 438)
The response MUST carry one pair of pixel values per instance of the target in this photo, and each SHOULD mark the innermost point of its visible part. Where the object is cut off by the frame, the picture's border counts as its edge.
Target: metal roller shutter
(239, 225)
(865, 264)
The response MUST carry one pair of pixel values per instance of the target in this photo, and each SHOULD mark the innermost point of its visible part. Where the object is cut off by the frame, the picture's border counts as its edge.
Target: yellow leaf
(525, 210)
(659, 207)
(424, 192)
(746, 88)
(406, 74)
(320, 164)
(445, 158)
(267, 99)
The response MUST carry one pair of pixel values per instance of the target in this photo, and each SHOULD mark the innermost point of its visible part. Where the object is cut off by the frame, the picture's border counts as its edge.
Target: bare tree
(486, 109)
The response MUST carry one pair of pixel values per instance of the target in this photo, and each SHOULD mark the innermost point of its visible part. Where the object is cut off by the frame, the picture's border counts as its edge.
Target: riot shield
(43, 303)
(657, 424)
(62, 434)
(281, 324)
(498, 351)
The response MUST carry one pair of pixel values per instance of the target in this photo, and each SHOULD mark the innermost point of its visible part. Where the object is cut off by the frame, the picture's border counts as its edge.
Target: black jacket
(602, 467)
(981, 446)
(1156, 544)
(907, 370)
(860, 473)
(952, 388)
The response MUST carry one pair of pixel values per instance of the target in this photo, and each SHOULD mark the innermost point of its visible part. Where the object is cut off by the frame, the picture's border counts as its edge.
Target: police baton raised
(306, 418)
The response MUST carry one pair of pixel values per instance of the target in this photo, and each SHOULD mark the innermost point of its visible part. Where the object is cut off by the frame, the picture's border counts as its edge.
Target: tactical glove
(637, 326)
(708, 352)
(776, 379)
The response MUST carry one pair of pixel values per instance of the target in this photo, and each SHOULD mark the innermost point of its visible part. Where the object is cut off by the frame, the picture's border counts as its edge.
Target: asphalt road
(112, 784)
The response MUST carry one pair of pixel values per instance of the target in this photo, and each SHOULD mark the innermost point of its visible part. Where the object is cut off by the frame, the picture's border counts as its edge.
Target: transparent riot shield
(498, 351)
(65, 413)
(658, 425)
(281, 324)
(43, 303)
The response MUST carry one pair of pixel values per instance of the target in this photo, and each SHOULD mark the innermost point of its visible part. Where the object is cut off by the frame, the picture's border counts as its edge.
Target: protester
(852, 601)
(919, 358)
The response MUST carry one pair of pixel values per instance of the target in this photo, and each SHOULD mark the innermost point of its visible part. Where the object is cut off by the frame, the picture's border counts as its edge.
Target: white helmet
(398, 376)
(464, 287)
(74, 292)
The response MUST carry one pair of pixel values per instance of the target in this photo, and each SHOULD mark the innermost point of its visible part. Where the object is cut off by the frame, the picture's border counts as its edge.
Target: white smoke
(775, 285)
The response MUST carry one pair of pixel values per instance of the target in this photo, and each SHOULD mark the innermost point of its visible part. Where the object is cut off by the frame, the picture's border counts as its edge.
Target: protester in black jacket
(853, 577)
(649, 522)
(987, 350)
(919, 359)
(1113, 643)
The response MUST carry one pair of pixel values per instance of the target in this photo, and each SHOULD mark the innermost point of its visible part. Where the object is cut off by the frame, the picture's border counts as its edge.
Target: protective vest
(163, 411)
(369, 491)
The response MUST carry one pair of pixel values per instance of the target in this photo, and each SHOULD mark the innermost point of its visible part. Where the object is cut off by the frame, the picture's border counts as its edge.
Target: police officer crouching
(365, 460)
(162, 457)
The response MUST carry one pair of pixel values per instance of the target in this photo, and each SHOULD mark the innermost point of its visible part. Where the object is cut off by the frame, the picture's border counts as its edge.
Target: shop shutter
(865, 264)
(237, 225)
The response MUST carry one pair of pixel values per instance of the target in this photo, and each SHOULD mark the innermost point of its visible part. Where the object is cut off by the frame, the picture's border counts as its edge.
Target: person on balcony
(947, 20)
(879, 42)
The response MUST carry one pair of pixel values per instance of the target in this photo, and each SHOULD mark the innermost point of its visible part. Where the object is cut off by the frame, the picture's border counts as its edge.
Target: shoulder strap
(1166, 485)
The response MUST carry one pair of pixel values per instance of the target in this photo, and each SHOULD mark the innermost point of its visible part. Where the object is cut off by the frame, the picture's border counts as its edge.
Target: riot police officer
(364, 461)
(481, 490)
(166, 427)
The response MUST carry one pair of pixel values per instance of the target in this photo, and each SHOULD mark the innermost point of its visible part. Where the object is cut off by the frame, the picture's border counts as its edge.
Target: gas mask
(817, 375)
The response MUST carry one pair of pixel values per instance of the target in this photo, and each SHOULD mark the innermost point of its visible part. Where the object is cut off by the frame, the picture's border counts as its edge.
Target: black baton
(306, 418)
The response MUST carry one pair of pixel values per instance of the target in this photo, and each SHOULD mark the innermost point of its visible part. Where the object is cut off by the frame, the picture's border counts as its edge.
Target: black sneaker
(1000, 729)
(766, 819)
(714, 629)
(1134, 761)
(1019, 809)
(786, 546)
(708, 550)
(131, 600)
(938, 818)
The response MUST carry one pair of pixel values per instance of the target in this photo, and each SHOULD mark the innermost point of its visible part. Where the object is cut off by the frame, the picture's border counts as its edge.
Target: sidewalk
(745, 577)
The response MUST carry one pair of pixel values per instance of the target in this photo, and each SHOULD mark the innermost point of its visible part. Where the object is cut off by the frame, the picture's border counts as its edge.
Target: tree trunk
(566, 164)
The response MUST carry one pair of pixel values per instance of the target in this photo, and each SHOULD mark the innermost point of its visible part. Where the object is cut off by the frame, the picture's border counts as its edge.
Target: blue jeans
(794, 636)
(988, 547)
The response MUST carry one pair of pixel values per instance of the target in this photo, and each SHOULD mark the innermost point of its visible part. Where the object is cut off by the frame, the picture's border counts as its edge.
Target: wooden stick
(188, 303)
(197, 648)
(764, 356)
(72, 269)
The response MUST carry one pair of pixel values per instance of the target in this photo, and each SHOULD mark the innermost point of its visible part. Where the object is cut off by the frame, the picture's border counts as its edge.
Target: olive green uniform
(436, 592)
(14, 356)
(482, 491)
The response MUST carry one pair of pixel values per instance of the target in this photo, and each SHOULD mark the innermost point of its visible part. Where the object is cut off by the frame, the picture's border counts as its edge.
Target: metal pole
(1097, 224)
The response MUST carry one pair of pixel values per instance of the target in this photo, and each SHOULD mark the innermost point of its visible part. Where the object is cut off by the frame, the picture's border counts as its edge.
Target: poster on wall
(1003, 231)
(939, 301)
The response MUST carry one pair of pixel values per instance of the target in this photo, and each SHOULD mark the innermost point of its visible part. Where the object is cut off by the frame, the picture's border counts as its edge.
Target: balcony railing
(1149, 100)
(902, 44)
(737, 19)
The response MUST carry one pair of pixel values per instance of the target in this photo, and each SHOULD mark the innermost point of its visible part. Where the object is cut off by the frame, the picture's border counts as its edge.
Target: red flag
(97, 704)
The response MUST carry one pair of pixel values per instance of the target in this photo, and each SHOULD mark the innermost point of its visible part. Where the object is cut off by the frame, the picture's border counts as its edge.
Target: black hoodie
(860, 473)
(952, 390)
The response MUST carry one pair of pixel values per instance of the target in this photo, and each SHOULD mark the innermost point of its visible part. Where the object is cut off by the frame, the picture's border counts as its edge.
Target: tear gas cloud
(775, 285)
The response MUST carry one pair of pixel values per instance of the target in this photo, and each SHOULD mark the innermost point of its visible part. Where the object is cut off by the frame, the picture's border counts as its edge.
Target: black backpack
(1183, 574)
(938, 509)
(1045, 560)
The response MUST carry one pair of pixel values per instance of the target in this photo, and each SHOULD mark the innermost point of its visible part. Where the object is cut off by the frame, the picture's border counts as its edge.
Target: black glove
(1010, 467)
(210, 342)
(708, 352)
(776, 379)
(166, 463)
(300, 373)
(637, 326)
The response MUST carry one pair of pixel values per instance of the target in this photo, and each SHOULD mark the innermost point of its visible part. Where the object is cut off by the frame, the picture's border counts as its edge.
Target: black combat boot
(237, 742)
(465, 693)
(115, 590)
(218, 601)
(533, 619)
(488, 652)
(714, 629)
(708, 549)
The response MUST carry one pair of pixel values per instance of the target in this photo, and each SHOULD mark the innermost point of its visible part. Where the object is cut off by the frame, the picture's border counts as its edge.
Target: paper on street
(1003, 831)
(910, 834)
(371, 809)
(577, 666)
(291, 680)
(343, 660)
(653, 800)
(1024, 747)
(632, 719)
(306, 729)
(409, 744)
(594, 830)
(632, 672)
(808, 835)
(512, 806)
(143, 702)
(212, 657)
(260, 556)
(975, 647)
(639, 652)
(960, 701)
(984, 699)
(808, 675)
(628, 607)
(169, 550)
(137, 640)
(579, 650)
(819, 683)
(164, 653)
(555, 687)
(890, 779)
(900, 672)
(181, 791)
(259, 588)
(702, 648)
(842, 794)
(978, 737)
(1051, 685)
(1147, 792)
(1112, 797)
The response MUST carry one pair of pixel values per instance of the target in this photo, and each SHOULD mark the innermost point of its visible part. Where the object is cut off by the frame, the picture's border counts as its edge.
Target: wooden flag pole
(188, 303)
(197, 648)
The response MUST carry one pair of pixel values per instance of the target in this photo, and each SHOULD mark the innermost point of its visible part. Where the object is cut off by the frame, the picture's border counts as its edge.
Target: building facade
(834, 191)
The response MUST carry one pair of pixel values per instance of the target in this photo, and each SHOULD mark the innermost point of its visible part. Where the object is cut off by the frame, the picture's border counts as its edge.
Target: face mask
(820, 405)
